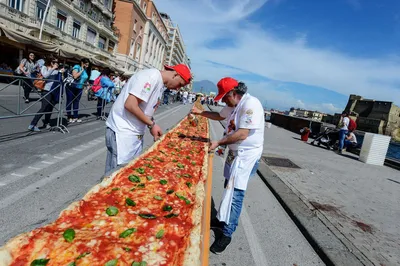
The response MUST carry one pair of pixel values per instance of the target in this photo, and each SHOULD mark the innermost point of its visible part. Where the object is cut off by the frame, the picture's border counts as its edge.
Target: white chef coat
(148, 86)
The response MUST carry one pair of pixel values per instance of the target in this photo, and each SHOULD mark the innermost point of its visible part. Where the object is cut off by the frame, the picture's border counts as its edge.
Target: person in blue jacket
(106, 93)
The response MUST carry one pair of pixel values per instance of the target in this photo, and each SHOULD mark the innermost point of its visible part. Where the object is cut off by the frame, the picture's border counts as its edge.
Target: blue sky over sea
(308, 54)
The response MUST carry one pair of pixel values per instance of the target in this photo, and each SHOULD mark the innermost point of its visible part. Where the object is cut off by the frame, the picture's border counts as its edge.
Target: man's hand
(196, 111)
(156, 132)
(213, 145)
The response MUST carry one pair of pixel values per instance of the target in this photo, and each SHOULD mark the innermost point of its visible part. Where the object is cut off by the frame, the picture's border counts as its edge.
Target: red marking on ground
(363, 226)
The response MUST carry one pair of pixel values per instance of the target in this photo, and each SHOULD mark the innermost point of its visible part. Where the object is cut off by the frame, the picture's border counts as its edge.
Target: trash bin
(305, 133)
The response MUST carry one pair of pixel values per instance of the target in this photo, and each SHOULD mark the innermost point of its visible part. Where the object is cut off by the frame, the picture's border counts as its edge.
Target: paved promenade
(359, 203)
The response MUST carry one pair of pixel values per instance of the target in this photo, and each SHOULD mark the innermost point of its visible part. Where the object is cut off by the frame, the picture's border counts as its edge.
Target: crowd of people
(45, 76)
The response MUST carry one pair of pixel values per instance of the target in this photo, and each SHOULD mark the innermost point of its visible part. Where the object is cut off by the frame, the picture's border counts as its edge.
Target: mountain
(204, 86)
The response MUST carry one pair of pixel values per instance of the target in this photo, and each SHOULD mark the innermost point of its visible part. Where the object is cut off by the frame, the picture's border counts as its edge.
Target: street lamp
(44, 19)
(131, 50)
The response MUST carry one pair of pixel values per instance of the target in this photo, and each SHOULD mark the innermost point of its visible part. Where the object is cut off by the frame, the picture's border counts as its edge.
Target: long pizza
(147, 213)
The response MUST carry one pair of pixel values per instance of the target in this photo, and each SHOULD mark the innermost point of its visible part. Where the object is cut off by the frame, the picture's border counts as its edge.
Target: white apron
(128, 147)
(237, 170)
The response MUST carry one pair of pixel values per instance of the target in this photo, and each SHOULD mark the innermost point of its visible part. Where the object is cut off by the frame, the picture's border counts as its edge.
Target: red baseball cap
(225, 85)
(182, 70)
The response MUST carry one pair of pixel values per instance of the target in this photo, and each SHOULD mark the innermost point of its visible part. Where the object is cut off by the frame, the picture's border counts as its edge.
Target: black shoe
(215, 223)
(220, 244)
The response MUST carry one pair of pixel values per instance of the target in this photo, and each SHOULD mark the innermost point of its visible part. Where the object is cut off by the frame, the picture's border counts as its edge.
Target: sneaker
(78, 120)
(71, 120)
(215, 223)
(33, 128)
(220, 244)
(47, 126)
(26, 100)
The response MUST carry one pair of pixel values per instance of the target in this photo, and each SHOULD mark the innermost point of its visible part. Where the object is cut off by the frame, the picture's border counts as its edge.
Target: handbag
(39, 83)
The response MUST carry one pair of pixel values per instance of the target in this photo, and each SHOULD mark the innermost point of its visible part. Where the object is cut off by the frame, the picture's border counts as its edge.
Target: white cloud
(258, 51)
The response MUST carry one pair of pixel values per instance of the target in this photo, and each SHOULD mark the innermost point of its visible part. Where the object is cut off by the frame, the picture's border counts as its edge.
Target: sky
(295, 53)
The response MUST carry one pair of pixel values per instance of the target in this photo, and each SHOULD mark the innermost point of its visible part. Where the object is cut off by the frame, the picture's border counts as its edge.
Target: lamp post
(44, 18)
(131, 50)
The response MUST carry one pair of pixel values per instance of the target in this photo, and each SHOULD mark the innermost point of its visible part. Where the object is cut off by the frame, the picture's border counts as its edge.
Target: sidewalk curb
(326, 244)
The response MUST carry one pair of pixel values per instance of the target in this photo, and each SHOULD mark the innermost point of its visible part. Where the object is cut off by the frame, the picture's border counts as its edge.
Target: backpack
(352, 125)
(97, 84)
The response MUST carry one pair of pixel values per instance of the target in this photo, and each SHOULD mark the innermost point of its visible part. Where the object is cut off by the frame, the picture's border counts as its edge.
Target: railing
(12, 107)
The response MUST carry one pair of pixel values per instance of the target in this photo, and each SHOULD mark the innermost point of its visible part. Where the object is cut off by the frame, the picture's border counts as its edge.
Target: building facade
(80, 28)
(176, 50)
(374, 116)
(143, 35)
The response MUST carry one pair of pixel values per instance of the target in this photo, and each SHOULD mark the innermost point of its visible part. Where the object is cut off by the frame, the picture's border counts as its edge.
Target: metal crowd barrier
(58, 108)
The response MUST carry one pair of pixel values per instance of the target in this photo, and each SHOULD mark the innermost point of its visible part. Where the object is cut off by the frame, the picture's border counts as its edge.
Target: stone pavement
(359, 203)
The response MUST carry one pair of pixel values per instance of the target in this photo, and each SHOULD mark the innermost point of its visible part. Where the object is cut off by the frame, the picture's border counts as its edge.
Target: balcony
(100, 5)
(18, 17)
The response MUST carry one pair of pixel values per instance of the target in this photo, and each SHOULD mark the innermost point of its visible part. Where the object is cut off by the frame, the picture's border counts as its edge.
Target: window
(17, 4)
(145, 7)
(107, 4)
(111, 46)
(134, 26)
(61, 19)
(137, 51)
(102, 42)
(93, 14)
(82, 5)
(40, 8)
(91, 36)
(76, 28)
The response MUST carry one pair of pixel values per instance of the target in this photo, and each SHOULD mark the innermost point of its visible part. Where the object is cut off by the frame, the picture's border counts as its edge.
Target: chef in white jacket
(245, 139)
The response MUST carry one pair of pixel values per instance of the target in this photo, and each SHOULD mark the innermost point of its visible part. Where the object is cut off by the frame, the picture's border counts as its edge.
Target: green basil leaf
(130, 202)
(174, 161)
(112, 211)
(140, 170)
(170, 191)
(148, 159)
(163, 182)
(127, 249)
(183, 198)
(115, 189)
(159, 159)
(171, 215)
(142, 263)
(160, 234)
(82, 255)
(113, 262)
(157, 197)
(188, 157)
(134, 178)
(163, 152)
(167, 208)
(149, 177)
(141, 185)
(180, 165)
(193, 163)
(173, 153)
(40, 262)
(127, 232)
(147, 216)
(189, 184)
(133, 189)
(72, 264)
(69, 235)
(187, 175)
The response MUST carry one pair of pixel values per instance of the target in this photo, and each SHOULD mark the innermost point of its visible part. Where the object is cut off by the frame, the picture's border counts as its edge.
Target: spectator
(25, 69)
(94, 74)
(106, 93)
(350, 141)
(202, 99)
(185, 97)
(74, 91)
(117, 84)
(344, 129)
(166, 95)
(49, 71)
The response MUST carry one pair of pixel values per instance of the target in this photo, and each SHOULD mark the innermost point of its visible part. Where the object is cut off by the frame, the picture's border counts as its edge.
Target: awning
(28, 39)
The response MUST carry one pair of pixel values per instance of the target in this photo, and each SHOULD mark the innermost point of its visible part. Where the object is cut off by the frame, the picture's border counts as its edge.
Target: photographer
(49, 71)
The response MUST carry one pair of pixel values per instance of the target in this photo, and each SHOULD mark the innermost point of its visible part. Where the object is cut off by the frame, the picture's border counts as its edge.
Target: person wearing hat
(245, 139)
(133, 111)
